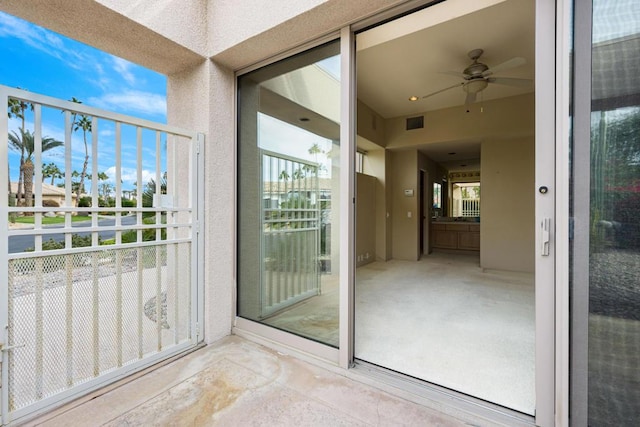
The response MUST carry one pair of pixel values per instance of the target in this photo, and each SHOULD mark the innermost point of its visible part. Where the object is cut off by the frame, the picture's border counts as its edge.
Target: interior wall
(404, 212)
(365, 219)
(376, 165)
(507, 231)
(512, 117)
(370, 125)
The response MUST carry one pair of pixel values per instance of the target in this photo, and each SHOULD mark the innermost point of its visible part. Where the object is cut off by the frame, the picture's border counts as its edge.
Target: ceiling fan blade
(511, 63)
(509, 81)
(442, 90)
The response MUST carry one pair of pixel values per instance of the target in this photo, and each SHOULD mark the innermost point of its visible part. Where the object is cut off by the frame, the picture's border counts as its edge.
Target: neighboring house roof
(47, 190)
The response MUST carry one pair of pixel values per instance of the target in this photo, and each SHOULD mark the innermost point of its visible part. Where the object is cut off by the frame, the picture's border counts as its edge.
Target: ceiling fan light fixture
(475, 86)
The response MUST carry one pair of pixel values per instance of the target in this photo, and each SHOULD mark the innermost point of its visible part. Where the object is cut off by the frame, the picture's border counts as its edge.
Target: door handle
(545, 226)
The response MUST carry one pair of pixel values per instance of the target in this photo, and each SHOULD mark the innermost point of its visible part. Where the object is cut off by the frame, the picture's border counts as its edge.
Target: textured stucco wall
(201, 98)
(184, 22)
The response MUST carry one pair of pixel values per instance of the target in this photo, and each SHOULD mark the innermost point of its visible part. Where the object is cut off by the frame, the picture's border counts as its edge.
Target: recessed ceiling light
(304, 119)
(413, 98)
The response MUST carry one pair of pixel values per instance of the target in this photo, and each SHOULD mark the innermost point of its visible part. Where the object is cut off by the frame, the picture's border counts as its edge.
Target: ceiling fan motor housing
(475, 70)
(476, 81)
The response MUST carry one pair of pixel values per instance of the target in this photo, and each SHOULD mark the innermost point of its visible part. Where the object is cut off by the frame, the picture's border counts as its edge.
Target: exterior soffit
(99, 26)
(283, 35)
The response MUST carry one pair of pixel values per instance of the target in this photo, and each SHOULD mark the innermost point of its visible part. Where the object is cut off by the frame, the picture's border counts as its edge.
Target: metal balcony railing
(92, 301)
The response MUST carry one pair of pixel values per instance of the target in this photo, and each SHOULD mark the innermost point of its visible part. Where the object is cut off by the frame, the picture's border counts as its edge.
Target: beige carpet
(445, 321)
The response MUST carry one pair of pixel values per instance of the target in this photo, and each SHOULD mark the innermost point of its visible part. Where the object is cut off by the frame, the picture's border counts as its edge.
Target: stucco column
(200, 98)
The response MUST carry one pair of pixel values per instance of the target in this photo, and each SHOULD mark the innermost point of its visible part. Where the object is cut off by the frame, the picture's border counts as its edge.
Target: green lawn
(53, 220)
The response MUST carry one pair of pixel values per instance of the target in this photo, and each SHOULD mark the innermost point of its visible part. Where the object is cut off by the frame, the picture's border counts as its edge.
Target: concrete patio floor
(235, 382)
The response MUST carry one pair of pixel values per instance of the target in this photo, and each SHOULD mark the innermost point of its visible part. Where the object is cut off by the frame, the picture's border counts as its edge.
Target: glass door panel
(605, 275)
(288, 182)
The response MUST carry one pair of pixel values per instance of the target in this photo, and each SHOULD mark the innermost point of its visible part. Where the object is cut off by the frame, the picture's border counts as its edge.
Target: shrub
(50, 203)
(84, 202)
(81, 241)
(77, 241)
(148, 234)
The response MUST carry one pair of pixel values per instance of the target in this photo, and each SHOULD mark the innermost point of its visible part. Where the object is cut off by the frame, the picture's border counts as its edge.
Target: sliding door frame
(552, 130)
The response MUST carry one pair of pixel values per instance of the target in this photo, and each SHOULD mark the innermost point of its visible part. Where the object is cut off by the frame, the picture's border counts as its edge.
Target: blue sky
(45, 62)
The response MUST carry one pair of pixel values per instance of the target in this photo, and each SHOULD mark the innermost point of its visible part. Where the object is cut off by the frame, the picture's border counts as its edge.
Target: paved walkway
(235, 382)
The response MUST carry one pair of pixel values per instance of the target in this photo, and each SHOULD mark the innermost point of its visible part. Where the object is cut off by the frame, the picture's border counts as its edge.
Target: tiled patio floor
(235, 382)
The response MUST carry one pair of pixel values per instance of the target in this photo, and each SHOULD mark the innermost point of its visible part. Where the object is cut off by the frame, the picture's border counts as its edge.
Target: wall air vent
(415, 122)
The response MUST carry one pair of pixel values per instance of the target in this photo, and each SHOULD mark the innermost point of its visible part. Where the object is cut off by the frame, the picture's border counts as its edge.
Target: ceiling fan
(477, 76)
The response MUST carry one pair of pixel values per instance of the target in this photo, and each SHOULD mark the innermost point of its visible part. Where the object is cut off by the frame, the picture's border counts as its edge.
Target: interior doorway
(456, 101)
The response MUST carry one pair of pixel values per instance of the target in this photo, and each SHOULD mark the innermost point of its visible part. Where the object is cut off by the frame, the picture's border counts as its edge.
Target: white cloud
(132, 101)
(129, 176)
(123, 67)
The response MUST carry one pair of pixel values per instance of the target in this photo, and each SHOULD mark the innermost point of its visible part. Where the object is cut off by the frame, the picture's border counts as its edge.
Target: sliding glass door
(442, 268)
(605, 275)
(288, 186)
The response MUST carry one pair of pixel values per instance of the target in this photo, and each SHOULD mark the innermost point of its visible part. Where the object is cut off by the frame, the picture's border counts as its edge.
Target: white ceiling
(405, 57)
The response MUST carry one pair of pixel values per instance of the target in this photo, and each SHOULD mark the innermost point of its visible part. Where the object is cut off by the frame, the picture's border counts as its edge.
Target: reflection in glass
(288, 174)
(614, 252)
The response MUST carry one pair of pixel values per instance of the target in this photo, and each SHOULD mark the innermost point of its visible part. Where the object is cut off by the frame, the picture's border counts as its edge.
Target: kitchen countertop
(456, 222)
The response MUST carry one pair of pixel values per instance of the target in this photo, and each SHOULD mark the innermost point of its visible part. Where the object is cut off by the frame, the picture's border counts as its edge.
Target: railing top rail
(289, 158)
(92, 111)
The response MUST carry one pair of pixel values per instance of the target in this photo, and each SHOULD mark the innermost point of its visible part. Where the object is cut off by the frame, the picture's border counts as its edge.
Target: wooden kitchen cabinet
(456, 236)
(445, 239)
(469, 241)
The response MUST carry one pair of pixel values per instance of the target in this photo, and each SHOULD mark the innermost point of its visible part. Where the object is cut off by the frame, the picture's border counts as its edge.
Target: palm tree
(150, 190)
(84, 123)
(102, 176)
(75, 185)
(25, 143)
(52, 171)
(284, 176)
(17, 109)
